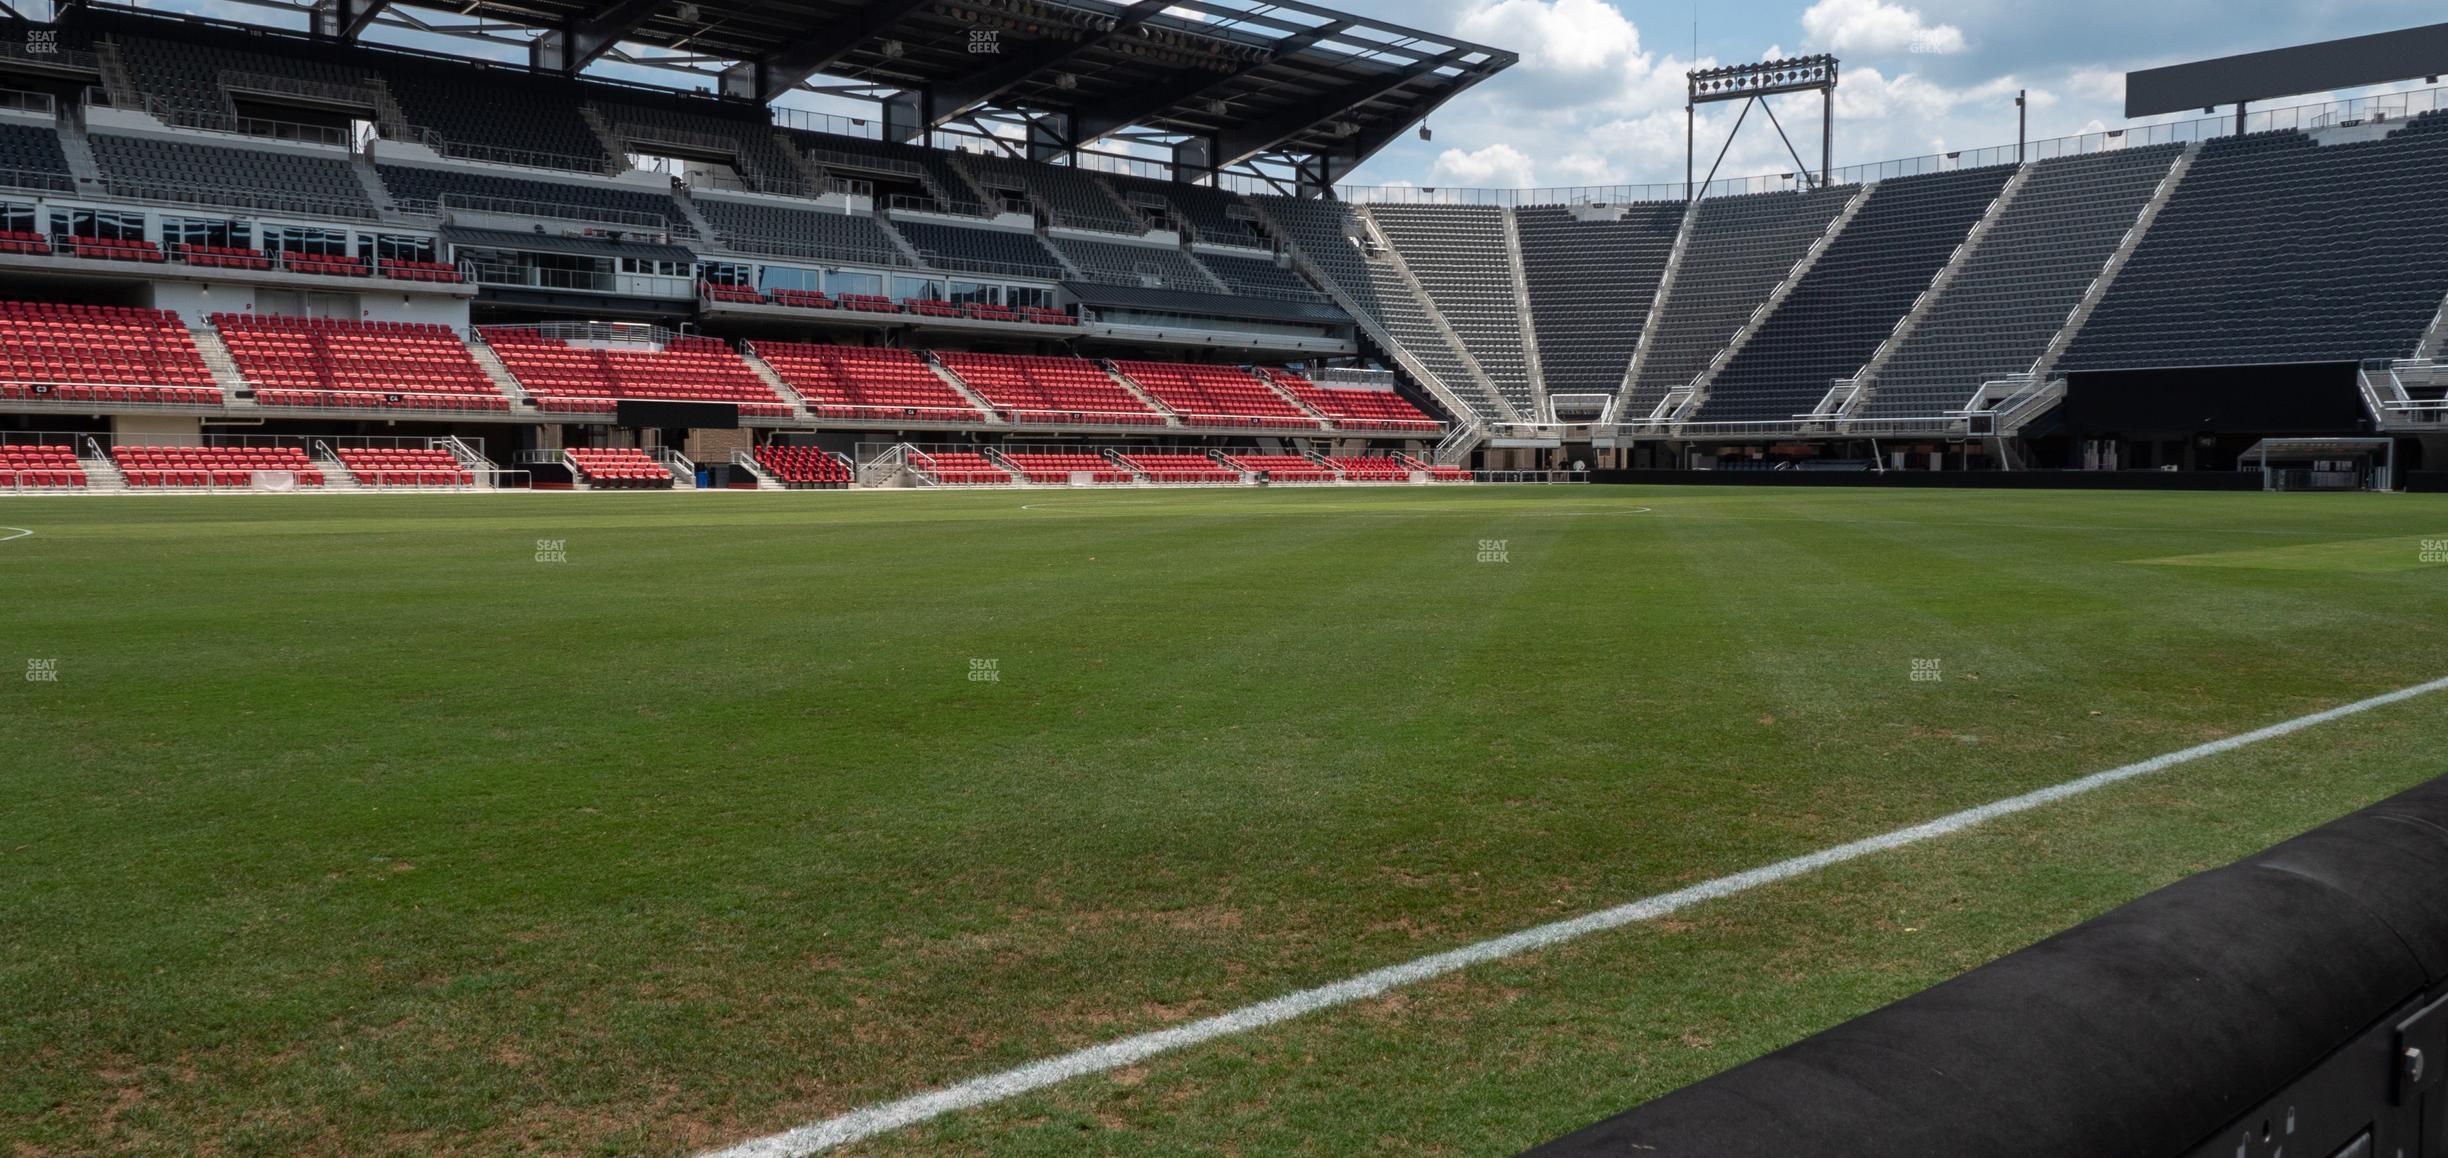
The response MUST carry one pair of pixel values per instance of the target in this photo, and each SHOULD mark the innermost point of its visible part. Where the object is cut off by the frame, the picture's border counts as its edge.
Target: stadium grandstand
(1128, 229)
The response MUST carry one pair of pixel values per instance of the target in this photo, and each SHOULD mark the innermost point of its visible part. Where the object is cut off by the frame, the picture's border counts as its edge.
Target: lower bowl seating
(619, 468)
(213, 466)
(51, 351)
(586, 379)
(405, 468)
(39, 466)
(326, 362)
(960, 468)
(1181, 469)
(1062, 468)
(802, 466)
(1286, 468)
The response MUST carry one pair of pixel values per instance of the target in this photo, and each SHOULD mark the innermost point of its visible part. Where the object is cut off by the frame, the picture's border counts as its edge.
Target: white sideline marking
(21, 533)
(858, 1124)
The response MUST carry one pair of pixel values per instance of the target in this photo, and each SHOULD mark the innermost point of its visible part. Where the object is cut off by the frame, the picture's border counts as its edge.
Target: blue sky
(1597, 96)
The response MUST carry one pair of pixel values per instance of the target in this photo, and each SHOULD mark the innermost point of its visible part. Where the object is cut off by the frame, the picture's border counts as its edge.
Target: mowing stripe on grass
(857, 1124)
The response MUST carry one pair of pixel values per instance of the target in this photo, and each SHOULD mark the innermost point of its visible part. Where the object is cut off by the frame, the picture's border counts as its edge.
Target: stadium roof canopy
(1281, 80)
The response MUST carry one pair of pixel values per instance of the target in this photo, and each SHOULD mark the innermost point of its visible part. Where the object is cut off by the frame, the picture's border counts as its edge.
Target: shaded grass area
(349, 826)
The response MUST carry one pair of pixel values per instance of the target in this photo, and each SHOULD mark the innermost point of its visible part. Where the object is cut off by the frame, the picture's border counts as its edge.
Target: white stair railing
(683, 472)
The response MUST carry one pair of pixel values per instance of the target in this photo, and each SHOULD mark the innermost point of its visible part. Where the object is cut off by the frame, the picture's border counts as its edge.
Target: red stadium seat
(75, 353)
(802, 466)
(211, 466)
(1043, 391)
(405, 468)
(865, 382)
(621, 468)
(39, 466)
(1356, 409)
(572, 379)
(1219, 396)
(1040, 467)
(1285, 468)
(339, 362)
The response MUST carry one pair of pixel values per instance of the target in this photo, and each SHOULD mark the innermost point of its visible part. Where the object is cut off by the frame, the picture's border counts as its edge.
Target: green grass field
(349, 826)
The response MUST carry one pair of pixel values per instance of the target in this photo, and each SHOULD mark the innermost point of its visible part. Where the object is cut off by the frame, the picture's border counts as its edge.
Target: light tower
(1753, 84)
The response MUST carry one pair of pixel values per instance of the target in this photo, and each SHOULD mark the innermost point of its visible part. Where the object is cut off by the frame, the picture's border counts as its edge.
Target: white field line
(21, 532)
(858, 1124)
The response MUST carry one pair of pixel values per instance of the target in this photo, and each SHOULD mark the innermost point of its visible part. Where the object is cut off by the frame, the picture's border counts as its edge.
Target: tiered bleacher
(194, 77)
(340, 362)
(404, 467)
(584, 379)
(31, 158)
(1739, 249)
(1073, 196)
(2019, 285)
(26, 466)
(1285, 468)
(212, 466)
(1351, 408)
(79, 353)
(1043, 467)
(945, 189)
(1180, 469)
(1218, 396)
(1153, 266)
(1370, 468)
(1851, 300)
(461, 109)
(1258, 277)
(764, 227)
(1035, 390)
(2277, 248)
(1206, 213)
(285, 180)
(618, 468)
(802, 467)
(865, 382)
(959, 468)
(1004, 251)
(474, 190)
(744, 137)
(1325, 232)
(1590, 284)
(1458, 254)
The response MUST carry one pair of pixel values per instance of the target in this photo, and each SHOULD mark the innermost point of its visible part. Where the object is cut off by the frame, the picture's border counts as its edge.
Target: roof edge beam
(571, 49)
(1095, 124)
(767, 79)
(1237, 144)
(952, 100)
(346, 19)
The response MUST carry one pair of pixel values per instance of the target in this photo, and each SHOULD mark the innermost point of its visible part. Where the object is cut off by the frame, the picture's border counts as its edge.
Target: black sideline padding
(2313, 398)
(2141, 1034)
(676, 415)
(2080, 480)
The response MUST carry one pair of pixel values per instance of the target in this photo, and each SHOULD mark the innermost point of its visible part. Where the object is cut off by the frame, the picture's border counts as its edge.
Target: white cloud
(1497, 166)
(1875, 27)
(1571, 37)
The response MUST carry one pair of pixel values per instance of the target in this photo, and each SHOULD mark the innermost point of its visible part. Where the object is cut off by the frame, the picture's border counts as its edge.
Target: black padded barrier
(2264, 1009)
